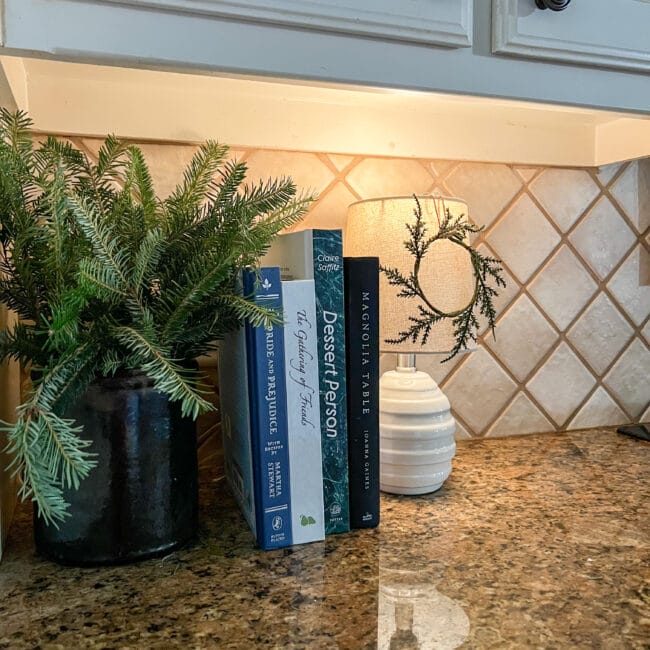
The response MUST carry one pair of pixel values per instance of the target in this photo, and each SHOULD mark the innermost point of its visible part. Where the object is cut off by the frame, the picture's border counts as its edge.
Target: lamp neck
(405, 362)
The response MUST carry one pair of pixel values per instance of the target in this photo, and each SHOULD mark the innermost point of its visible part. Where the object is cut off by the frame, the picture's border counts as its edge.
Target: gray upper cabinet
(604, 33)
(441, 22)
(595, 53)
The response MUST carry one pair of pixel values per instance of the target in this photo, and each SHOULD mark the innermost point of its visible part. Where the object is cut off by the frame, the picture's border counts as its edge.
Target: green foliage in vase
(106, 277)
(486, 270)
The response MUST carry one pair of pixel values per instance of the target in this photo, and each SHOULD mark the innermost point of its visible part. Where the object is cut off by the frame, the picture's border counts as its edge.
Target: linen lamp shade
(378, 227)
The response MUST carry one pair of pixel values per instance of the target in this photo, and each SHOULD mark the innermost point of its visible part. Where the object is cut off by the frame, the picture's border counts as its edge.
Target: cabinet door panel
(435, 22)
(614, 34)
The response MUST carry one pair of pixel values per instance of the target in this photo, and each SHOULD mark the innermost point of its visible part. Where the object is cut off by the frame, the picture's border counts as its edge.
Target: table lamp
(416, 428)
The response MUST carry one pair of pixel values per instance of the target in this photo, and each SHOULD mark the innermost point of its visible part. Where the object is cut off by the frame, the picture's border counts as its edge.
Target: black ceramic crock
(142, 498)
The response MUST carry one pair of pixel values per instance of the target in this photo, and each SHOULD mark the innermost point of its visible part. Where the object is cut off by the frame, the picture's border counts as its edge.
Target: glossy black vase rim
(122, 379)
(125, 379)
(133, 379)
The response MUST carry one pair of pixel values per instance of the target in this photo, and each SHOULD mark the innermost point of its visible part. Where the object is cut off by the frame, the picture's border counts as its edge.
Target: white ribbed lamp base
(416, 433)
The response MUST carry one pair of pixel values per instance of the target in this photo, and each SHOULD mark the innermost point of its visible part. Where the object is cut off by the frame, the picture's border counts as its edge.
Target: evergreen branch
(147, 258)
(266, 197)
(247, 310)
(230, 178)
(15, 130)
(100, 281)
(202, 283)
(54, 155)
(168, 377)
(110, 161)
(65, 320)
(48, 453)
(57, 223)
(103, 241)
(50, 456)
(420, 327)
(140, 180)
(20, 343)
(25, 445)
(188, 197)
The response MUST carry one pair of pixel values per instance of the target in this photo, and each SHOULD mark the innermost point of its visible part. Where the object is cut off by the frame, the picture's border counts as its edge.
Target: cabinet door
(435, 22)
(605, 33)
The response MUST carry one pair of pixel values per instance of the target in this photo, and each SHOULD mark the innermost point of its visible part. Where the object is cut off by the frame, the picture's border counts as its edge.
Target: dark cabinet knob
(553, 5)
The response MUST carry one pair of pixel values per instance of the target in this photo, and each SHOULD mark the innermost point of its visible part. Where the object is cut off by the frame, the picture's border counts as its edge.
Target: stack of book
(300, 400)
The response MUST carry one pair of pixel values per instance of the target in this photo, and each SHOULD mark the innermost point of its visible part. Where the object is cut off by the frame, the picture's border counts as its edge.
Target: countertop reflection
(538, 541)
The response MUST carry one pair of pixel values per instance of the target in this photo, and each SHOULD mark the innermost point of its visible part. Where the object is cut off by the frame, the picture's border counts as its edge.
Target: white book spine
(303, 409)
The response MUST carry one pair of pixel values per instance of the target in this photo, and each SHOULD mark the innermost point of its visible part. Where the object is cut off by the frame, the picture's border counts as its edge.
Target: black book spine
(361, 276)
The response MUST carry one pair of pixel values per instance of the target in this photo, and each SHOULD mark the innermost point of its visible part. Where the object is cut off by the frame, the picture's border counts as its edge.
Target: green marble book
(318, 255)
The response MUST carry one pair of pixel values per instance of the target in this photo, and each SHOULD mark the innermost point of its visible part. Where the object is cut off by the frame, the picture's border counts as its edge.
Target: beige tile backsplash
(573, 332)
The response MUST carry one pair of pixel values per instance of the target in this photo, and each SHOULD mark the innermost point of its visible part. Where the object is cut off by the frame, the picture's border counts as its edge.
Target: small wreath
(465, 321)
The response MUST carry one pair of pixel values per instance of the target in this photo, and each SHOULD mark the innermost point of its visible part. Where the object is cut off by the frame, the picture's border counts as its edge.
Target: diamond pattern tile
(307, 171)
(429, 363)
(442, 167)
(91, 146)
(646, 332)
(644, 265)
(626, 287)
(632, 191)
(599, 411)
(479, 389)
(520, 417)
(374, 177)
(607, 172)
(601, 333)
(523, 238)
(563, 287)
(432, 365)
(487, 188)
(331, 210)
(166, 164)
(526, 173)
(603, 237)
(387, 362)
(461, 433)
(520, 325)
(565, 194)
(238, 154)
(629, 379)
(646, 416)
(505, 296)
(439, 190)
(339, 161)
(561, 384)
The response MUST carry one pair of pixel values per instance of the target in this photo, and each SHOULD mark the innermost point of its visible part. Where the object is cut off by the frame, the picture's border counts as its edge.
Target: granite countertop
(533, 542)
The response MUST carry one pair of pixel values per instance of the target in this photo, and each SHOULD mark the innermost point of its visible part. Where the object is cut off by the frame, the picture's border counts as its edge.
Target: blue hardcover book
(267, 391)
(256, 451)
(236, 422)
(318, 255)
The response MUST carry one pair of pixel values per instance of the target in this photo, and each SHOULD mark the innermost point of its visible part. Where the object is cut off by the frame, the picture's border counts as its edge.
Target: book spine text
(362, 345)
(303, 410)
(328, 278)
(267, 387)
